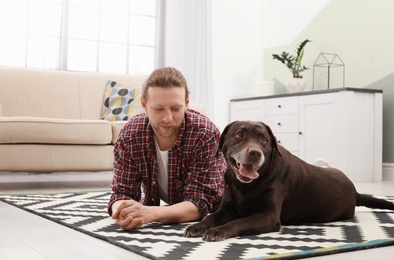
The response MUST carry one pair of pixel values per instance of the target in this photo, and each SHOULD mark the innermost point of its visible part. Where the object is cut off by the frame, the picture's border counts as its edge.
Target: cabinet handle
(279, 124)
(279, 142)
(279, 106)
(300, 133)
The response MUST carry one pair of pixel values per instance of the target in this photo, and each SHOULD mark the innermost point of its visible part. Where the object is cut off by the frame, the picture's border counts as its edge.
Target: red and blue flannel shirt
(195, 170)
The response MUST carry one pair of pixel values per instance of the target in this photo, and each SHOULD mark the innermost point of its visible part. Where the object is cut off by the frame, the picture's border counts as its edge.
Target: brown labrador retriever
(267, 186)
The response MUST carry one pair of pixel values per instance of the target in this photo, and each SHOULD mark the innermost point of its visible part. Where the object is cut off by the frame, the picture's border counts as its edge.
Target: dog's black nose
(255, 154)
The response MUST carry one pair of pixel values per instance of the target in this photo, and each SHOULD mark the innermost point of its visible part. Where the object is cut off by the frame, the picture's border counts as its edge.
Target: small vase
(295, 85)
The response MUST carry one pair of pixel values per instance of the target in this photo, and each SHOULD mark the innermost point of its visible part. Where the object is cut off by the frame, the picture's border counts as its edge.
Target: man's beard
(168, 132)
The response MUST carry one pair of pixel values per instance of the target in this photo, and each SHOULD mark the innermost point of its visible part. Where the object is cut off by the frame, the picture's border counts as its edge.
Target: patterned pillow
(120, 102)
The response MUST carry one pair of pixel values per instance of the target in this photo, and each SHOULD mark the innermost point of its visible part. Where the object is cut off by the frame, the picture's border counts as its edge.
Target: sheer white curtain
(185, 43)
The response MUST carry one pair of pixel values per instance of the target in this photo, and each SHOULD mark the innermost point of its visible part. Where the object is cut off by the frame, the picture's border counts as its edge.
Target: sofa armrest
(116, 127)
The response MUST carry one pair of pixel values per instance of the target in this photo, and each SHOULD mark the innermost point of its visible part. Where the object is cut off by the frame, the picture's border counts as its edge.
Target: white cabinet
(249, 110)
(281, 114)
(342, 126)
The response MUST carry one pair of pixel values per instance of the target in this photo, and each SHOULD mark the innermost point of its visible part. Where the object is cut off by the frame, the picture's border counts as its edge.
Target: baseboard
(388, 172)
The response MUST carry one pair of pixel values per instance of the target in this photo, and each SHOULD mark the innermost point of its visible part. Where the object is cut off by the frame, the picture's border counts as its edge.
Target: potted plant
(293, 63)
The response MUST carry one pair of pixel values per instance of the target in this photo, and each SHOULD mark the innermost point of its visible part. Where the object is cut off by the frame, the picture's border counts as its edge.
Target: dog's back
(314, 193)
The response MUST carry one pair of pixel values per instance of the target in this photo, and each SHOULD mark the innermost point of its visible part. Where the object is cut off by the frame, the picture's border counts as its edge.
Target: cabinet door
(318, 125)
(247, 110)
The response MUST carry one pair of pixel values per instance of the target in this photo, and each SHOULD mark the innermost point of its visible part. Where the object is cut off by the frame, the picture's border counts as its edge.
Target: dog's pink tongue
(248, 171)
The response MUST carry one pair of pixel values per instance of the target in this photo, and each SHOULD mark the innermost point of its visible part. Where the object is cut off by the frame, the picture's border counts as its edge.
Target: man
(170, 152)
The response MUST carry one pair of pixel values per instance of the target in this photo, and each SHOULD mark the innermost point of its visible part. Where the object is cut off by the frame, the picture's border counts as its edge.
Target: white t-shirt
(162, 161)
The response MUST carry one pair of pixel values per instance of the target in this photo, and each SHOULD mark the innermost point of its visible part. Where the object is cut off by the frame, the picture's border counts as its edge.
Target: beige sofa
(51, 120)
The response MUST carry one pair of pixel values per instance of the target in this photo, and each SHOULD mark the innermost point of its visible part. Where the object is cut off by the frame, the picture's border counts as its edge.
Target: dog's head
(246, 145)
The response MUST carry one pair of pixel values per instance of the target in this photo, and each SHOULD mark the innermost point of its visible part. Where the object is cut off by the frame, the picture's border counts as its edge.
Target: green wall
(387, 85)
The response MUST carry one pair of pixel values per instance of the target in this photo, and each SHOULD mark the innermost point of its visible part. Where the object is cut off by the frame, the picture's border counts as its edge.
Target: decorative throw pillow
(120, 102)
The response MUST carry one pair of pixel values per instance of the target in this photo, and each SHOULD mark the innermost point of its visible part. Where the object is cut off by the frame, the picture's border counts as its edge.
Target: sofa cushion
(55, 158)
(120, 102)
(39, 93)
(54, 131)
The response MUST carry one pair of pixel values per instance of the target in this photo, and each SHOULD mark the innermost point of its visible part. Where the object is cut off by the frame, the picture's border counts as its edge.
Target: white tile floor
(26, 236)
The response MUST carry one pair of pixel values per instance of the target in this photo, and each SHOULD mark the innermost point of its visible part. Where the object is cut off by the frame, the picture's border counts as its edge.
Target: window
(81, 35)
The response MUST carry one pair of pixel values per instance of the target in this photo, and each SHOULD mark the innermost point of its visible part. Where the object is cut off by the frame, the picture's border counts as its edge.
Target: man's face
(166, 109)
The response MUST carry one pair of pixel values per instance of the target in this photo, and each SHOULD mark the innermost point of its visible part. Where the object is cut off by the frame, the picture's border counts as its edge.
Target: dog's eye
(265, 140)
(239, 135)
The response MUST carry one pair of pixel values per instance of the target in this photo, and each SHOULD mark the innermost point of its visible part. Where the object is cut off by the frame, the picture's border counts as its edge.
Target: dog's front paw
(195, 230)
(217, 234)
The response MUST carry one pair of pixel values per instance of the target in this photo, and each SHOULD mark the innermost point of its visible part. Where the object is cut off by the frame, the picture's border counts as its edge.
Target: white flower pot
(295, 85)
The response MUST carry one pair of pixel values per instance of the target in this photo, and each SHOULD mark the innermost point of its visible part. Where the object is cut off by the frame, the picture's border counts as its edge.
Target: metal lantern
(329, 60)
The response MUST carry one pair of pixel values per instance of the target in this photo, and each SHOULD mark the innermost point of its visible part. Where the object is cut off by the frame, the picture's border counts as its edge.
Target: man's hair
(165, 77)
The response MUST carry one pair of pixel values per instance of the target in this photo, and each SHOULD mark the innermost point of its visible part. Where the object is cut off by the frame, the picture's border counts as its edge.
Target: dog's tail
(372, 202)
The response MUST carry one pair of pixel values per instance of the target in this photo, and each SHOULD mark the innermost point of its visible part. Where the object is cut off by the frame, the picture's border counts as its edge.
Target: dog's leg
(254, 224)
(223, 215)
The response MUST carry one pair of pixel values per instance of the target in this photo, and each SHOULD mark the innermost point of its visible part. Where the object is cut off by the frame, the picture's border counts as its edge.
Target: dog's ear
(273, 138)
(221, 139)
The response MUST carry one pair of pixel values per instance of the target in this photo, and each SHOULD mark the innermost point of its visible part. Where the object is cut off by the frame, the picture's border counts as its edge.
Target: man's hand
(130, 214)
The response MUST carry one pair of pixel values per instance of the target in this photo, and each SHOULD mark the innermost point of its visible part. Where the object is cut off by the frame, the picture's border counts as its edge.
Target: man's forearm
(181, 212)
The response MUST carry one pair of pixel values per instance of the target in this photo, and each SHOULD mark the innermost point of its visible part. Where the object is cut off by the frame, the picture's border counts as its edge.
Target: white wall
(283, 20)
(240, 30)
(236, 53)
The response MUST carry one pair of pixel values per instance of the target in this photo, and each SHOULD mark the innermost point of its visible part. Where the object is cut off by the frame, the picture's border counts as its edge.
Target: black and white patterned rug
(86, 212)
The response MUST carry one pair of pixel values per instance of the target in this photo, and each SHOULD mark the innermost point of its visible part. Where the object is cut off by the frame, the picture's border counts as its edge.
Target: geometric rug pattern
(86, 212)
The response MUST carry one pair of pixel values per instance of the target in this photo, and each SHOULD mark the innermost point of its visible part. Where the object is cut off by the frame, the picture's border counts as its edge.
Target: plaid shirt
(195, 172)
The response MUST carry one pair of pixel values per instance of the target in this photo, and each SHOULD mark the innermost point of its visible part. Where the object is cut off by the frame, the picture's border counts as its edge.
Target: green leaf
(291, 62)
